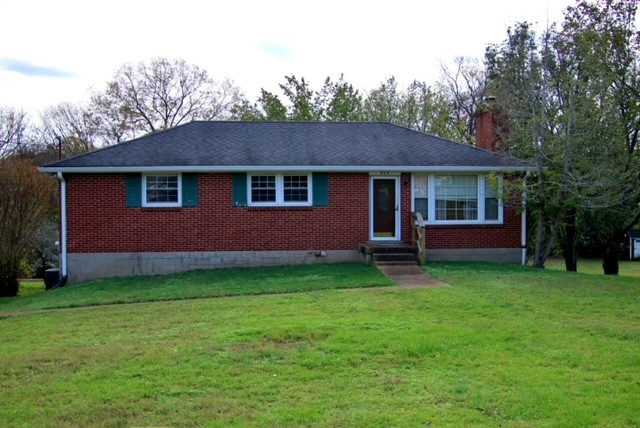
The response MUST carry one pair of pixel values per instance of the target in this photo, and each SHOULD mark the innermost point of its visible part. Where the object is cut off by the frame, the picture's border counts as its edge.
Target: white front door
(385, 209)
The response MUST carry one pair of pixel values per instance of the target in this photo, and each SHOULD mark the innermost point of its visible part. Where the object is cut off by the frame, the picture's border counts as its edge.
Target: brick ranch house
(221, 194)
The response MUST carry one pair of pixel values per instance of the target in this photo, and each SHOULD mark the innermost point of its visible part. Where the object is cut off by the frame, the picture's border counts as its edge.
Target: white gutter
(278, 168)
(63, 226)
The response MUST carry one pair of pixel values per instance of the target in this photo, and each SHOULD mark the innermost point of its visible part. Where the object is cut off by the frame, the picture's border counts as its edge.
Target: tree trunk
(610, 264)
(570, 244)
(9, 286)
(538, 259)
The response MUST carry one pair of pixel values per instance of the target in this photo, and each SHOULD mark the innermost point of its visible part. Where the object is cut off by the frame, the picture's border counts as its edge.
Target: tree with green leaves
(563, 95)
(335, 101)
(606, 47)
(419, 107)
(301, 99)
(338, 101)
(520, 83)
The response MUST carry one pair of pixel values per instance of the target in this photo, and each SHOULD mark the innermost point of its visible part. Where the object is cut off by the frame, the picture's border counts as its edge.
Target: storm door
(385, 203)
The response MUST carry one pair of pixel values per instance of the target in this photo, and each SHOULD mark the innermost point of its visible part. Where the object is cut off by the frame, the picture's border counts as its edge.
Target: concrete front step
(389, 253)
(387, 249)
(394, 257)
(396, 263)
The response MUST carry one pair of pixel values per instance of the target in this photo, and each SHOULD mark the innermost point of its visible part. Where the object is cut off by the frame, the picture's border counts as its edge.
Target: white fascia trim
(280, 168)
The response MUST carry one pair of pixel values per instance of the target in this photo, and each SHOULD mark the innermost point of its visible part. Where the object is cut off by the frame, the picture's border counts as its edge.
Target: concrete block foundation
(86, 266)
(494, 255)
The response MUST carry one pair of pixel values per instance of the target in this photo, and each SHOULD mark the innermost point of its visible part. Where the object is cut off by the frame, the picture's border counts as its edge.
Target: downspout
(63, 232)
(523, 221)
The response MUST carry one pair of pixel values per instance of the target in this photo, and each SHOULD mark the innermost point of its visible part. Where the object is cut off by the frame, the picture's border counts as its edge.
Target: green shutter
(189, 190)
(134, 190)
(320, 189)
(239, 184)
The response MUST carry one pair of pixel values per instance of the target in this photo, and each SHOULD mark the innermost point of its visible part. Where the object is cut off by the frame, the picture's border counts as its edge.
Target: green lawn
(594, 266)
(504, 346)
(198, 284)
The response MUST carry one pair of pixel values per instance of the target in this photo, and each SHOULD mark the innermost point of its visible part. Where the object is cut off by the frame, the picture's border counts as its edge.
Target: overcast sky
(53, 51)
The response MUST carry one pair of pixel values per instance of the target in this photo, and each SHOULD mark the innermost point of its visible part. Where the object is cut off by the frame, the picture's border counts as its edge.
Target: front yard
(506, 346)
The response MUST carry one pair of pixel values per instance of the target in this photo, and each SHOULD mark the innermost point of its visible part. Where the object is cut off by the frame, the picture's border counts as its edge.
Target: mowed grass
(594, 266)
(504, 346)
(198, 284)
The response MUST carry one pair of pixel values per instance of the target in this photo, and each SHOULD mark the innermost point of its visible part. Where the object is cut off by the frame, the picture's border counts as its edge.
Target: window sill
(476, 225)
(155, 209)
(281, 208)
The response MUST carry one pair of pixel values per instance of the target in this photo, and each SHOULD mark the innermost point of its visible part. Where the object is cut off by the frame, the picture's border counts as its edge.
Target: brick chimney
(489, 127)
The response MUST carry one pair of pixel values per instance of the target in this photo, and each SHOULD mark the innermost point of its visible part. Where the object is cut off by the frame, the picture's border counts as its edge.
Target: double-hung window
(161, 190)
(280, 189)
(457, 198)
(421, 195)
(492, 207)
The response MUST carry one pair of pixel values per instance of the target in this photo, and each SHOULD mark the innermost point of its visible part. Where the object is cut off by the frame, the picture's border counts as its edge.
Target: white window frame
(499, 220)
(161, 204)
(280, 202)
(413, 195)
(431, 198)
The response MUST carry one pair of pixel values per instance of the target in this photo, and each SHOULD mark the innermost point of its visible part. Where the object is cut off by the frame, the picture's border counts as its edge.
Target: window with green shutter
(280, 189)
(133, 190)
(239, 185)
(189, 190)
(320, 189)
(161, 190)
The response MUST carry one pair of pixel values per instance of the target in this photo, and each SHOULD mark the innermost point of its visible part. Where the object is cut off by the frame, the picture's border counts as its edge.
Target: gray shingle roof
(228, 146)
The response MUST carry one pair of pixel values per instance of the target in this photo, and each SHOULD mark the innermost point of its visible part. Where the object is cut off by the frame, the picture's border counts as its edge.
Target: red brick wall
(505, 235)
(98, 221)
(485, 131)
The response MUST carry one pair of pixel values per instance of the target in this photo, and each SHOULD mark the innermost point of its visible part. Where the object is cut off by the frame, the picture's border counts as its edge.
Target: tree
(44, 251)
(570, 98)
(426, 109)
(419, 107)
(13, 126)
(300, 95)
(606, 46)
(529, 97)
(384, 103)
(272, 106)
(268, 107)
(24, 203)
(338, 101)
(465, 86)
(335, 101)
(72, 126)
(162, 94)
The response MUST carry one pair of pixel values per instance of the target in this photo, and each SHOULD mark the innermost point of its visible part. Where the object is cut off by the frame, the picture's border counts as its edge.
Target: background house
(220, 194)
(634, 244)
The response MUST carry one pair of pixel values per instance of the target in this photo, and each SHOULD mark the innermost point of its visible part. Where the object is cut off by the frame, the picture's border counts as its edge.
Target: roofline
(279, 168)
